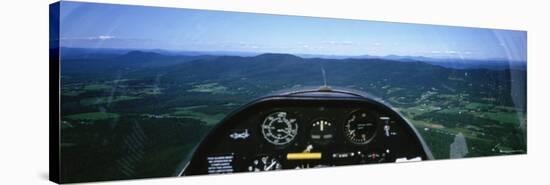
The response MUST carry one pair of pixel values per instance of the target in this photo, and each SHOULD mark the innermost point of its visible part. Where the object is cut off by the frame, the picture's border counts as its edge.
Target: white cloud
(339, 43)
(101, 37)
(105, 37)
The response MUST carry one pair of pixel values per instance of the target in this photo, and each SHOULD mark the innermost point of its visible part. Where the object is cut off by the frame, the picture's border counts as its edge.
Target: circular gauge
(279, 128)
(360, 127)
(322, 131)
(264, 163)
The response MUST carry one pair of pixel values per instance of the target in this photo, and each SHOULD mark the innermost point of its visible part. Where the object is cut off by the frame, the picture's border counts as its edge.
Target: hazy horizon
(302, 55)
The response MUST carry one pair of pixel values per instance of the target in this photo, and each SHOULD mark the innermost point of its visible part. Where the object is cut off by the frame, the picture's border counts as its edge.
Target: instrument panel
(297, 132)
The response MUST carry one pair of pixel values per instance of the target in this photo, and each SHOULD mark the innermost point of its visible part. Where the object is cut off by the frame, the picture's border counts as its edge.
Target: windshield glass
(141, 86)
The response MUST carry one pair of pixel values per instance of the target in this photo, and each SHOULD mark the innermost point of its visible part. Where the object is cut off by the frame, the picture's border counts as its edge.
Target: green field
(106, 100)
(71, 92)
(213, 88)
(152, 91)
(96, 87)
(440, 117)
(189, 112)
(93, 116)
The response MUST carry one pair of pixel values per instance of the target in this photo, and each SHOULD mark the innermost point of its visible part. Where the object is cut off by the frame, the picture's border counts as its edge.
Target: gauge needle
(270, 166)
(286, 131)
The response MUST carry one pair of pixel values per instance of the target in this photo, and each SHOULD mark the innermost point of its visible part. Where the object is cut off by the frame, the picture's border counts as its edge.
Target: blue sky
(89, 25)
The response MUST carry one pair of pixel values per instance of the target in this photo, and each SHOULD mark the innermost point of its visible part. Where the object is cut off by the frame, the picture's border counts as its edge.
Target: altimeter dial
(279, 128)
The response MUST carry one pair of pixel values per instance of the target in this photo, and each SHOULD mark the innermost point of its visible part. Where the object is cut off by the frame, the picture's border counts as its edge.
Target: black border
(54, 11)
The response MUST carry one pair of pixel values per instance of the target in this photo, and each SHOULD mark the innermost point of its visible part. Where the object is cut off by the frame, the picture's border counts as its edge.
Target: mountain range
(449, 62)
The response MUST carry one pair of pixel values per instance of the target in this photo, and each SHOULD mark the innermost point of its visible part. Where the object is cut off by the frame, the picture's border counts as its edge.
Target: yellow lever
(301, 156)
